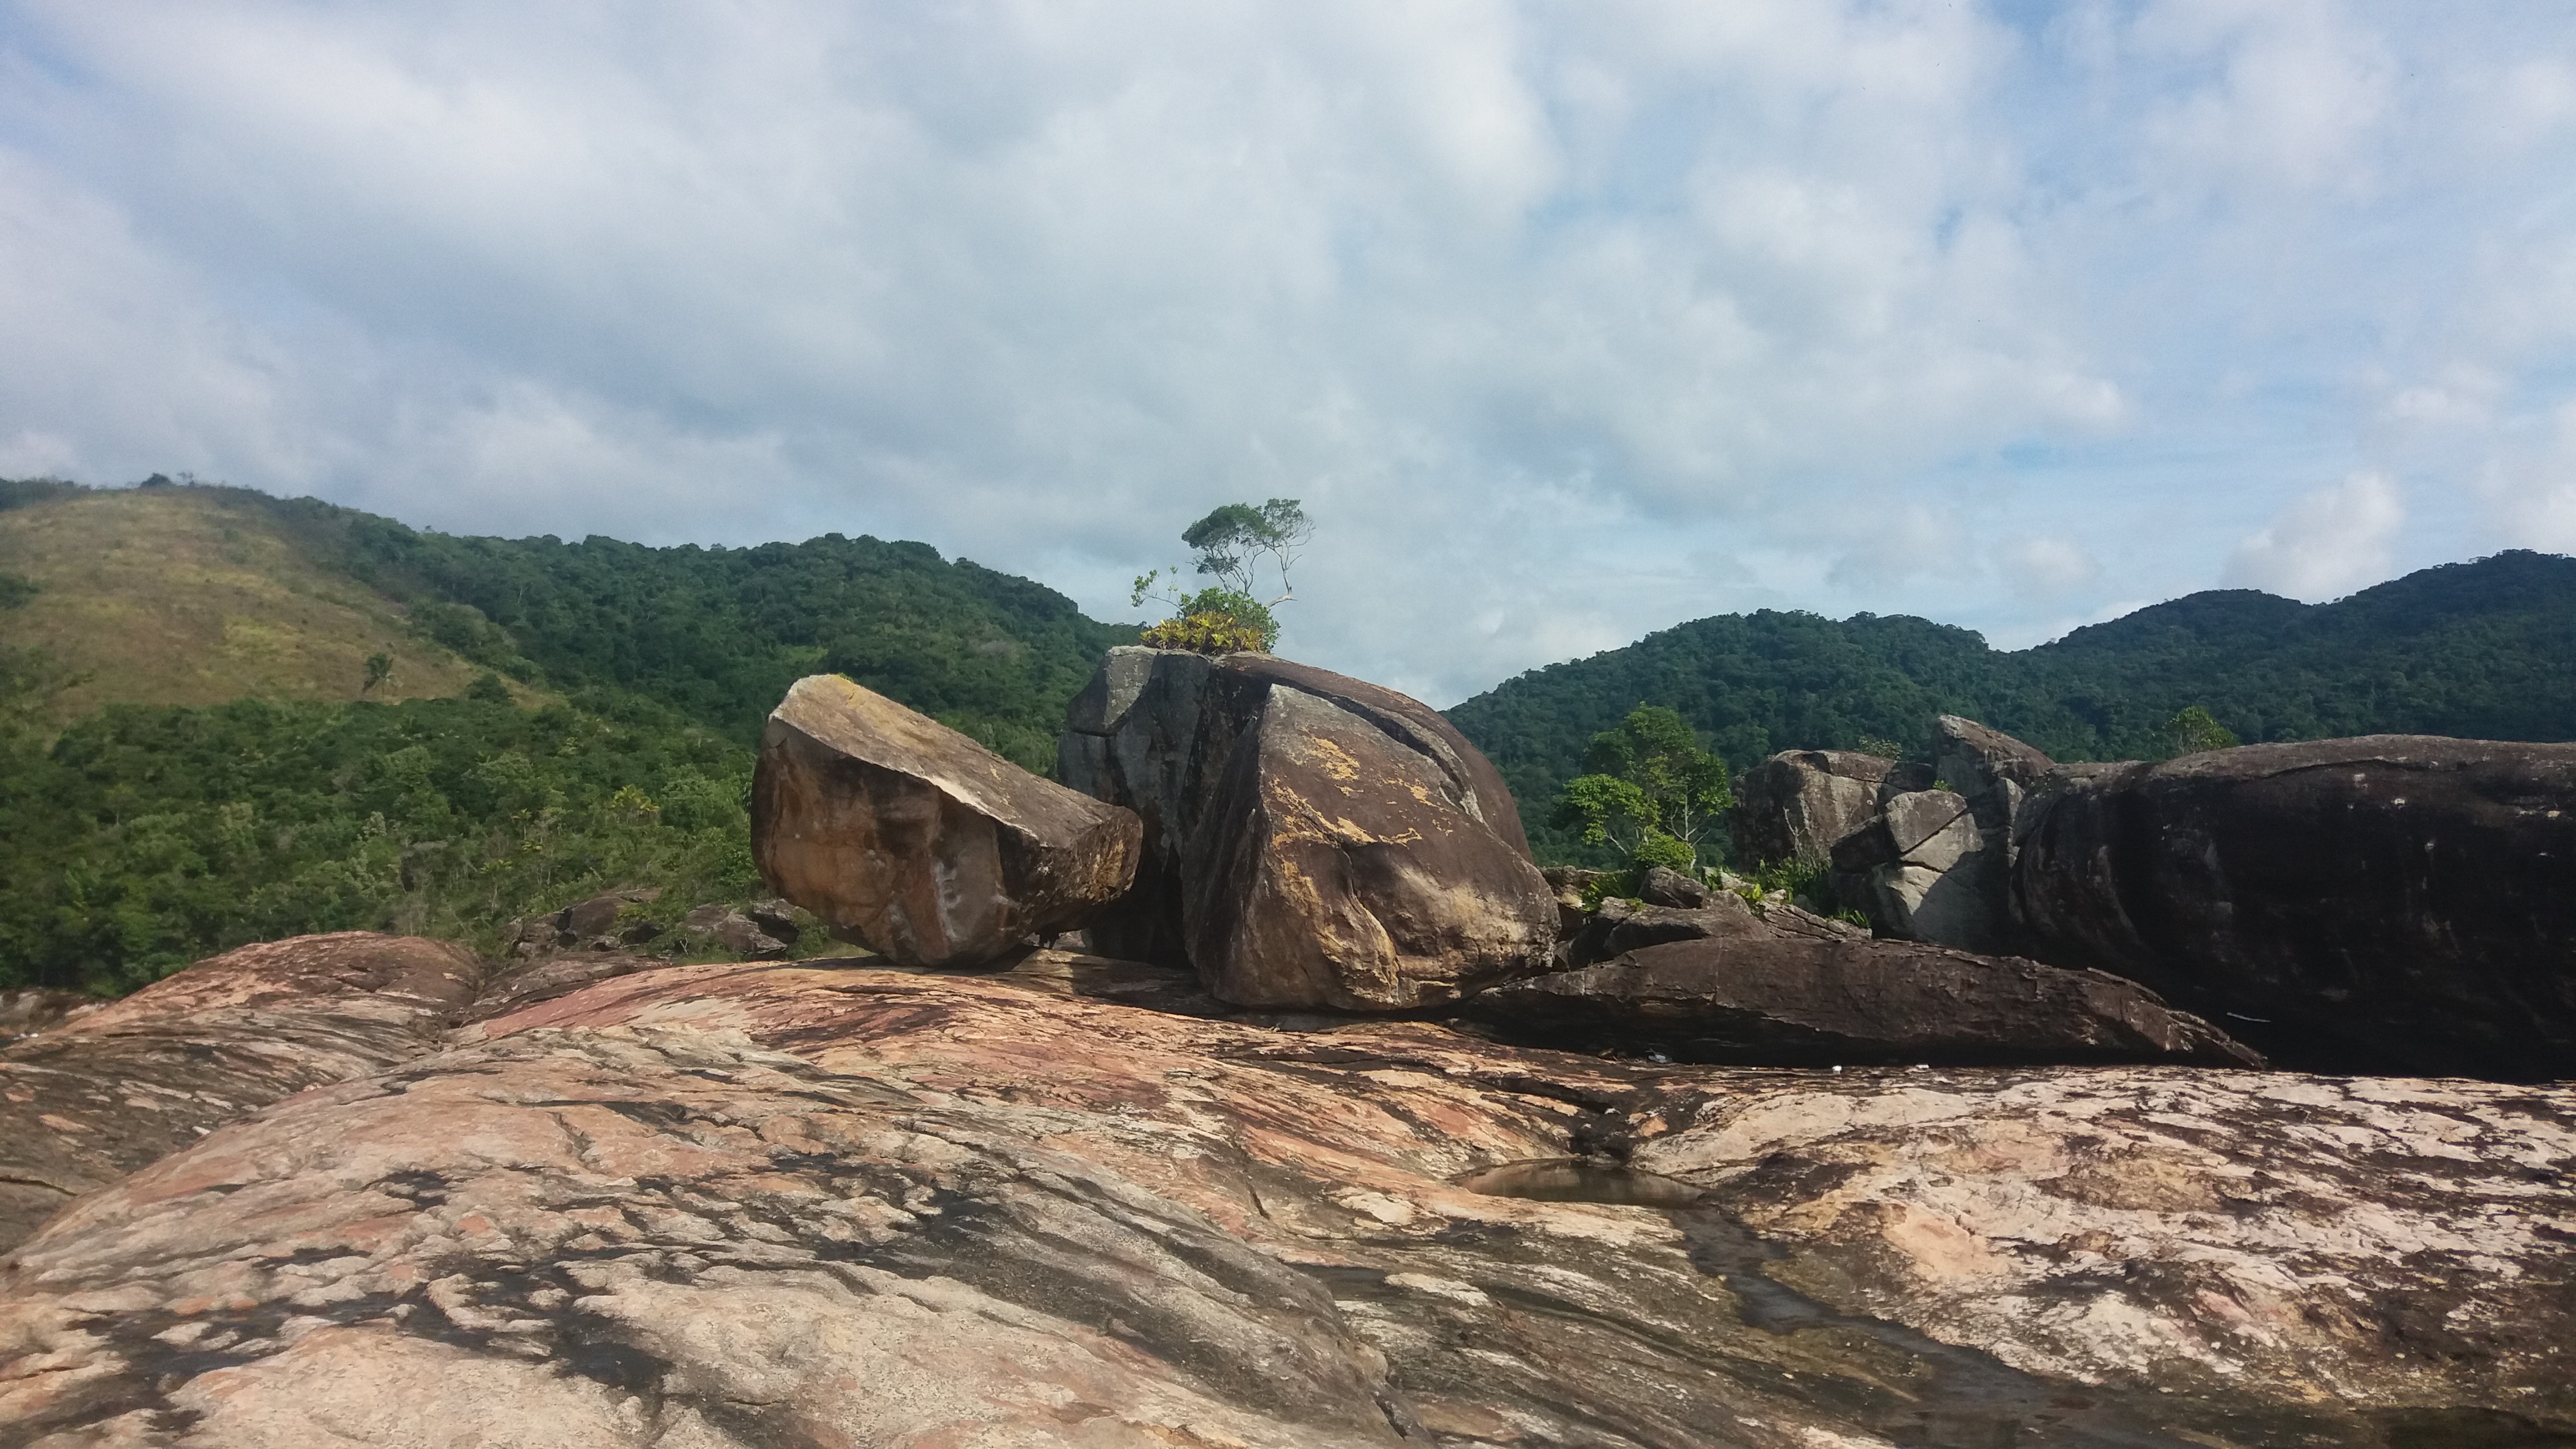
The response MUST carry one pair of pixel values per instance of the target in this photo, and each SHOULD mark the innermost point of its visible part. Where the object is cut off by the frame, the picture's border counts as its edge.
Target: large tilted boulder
(2390, 902)
(751, 1205)
(918, 843)
(1310, 840)
(1991, 770)
(102, 1092)
(1717, 985)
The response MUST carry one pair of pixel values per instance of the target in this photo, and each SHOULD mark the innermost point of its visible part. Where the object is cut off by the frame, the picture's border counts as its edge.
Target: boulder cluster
(1253, 1087)
(1304, 841)
(2386, 903)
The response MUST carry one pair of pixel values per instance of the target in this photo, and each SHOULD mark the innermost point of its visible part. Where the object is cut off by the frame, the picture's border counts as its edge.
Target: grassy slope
(196, 596)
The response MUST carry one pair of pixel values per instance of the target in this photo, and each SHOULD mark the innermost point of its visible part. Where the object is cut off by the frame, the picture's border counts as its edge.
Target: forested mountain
(2484, 649)
(226, 717)
(710, 636)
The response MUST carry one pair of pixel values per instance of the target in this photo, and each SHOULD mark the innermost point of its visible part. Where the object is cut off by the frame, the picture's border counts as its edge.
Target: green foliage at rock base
(1649, 793)
(145, 838)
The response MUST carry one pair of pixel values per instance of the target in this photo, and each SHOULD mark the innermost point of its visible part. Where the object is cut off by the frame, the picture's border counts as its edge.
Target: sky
(1565, 322)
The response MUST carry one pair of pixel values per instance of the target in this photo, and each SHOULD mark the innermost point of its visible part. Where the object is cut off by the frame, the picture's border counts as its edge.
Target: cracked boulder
(1792, 807)
(1310, 840)
(114, 1087)
(756, 1205)
(1925, 871)
(908, 838)
(2393, 902)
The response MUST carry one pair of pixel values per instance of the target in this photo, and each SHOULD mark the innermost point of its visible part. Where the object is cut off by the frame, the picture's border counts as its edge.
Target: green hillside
(172, 595)
(226, 717)
(2482, 650)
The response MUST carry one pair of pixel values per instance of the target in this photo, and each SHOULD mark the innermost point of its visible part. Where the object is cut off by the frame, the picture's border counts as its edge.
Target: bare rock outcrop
(1310, 839)
(768, 1204)
(909, 838)
(2392, 902)
(115, 1087)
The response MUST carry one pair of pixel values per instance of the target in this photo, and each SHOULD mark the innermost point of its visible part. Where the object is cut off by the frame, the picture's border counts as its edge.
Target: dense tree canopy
(715, 635)
(145, 838)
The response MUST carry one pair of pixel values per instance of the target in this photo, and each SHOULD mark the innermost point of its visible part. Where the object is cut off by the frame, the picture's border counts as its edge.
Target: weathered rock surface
(1703, 986)
(31, 1009)
(718, 1205)
(1337, 868)
(1271, 791)
(111, 1089)
(918, 843)
(1793, 806)
(1621, 926)
(741, 934)
(2390, 902)
(1994, 771)
(1925, 871)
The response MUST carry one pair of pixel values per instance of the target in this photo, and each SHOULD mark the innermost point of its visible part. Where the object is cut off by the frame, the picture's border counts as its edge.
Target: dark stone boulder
(1619, 927)
(1792, 807)
(1178, 738)
(1570, 882)
(1664, 886)
(909, 838)
(2393, 902)
(1761, 997)
(1337, 867)
(1993, 771)
(738, 933)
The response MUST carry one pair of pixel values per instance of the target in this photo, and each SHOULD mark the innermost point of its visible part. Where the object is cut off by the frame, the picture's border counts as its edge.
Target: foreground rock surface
(918, 843)
(2387, 903)
(114, 1087)
(1310, 839)
(770, 1205)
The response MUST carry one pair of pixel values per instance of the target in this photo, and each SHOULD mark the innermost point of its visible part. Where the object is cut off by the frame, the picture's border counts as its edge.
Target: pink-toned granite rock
(1073, 1204)
(112, 1088)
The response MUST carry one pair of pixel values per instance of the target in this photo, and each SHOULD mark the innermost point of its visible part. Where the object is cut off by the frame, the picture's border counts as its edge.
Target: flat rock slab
(2389, 903)
(118, 1086)
(1773, 999)
(772, 1204)
(918, 843)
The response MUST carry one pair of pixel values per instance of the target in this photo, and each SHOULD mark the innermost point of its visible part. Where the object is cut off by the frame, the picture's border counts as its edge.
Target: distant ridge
(2481, 650)
(217, 593)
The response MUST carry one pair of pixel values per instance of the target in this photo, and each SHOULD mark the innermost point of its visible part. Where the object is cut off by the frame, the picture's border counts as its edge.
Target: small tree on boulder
(1231, 543)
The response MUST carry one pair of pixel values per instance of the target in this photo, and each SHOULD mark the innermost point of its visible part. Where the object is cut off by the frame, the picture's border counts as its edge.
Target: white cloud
(1541, 308)
(2325, 544)
(2530, 490)
(2047, 567)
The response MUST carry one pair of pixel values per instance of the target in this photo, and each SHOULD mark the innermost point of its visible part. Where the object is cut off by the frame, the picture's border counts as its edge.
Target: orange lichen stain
(1333, 760)
(476, 1225)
